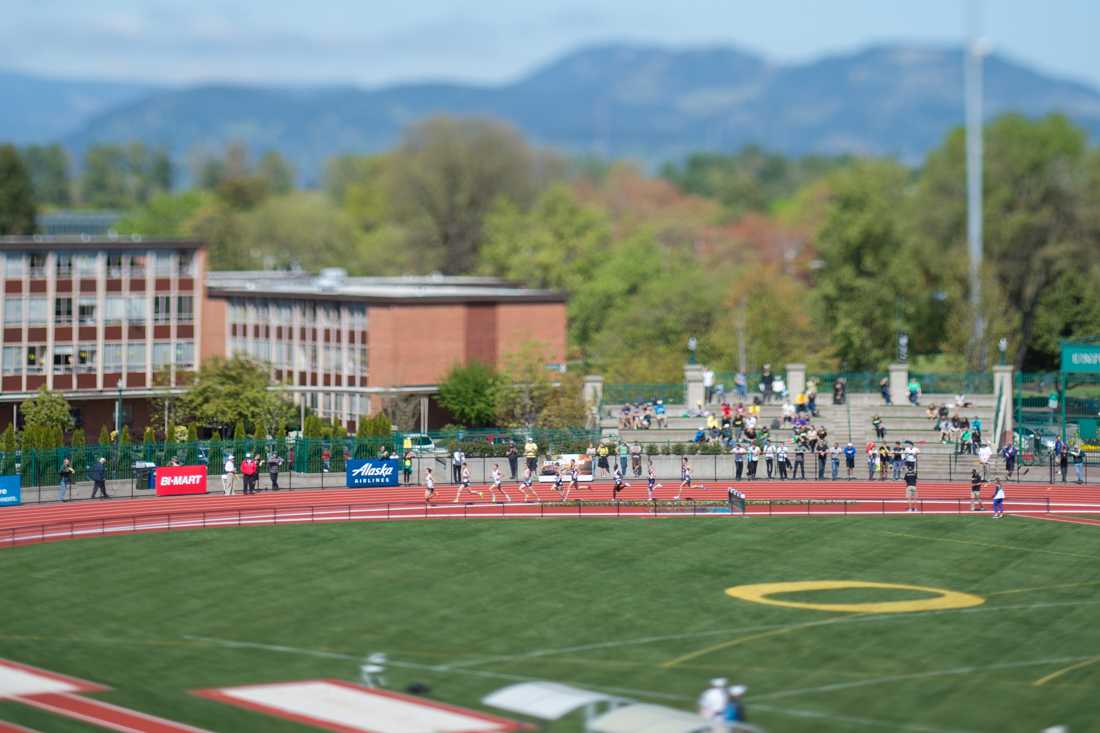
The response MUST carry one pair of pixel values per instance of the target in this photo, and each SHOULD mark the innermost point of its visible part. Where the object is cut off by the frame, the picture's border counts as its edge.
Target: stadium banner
(179, 480)
(1080, 358)
(550, 465)
(11, 493)
(371, 472)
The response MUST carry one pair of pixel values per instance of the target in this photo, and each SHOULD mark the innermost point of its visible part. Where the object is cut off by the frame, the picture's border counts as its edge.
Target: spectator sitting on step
(659, 414)
(788, 411)
(961, 401)
(698, 411)
(625, 420)
(700, 435)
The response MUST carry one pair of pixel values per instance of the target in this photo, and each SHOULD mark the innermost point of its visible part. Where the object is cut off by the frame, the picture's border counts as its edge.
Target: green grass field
(636, 606)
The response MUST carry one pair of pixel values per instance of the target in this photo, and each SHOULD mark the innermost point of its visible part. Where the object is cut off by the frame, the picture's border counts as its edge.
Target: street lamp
(1002, 346)
(903, 347)
(692, 345)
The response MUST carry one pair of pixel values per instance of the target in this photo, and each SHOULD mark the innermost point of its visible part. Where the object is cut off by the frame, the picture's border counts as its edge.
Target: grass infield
(635, 606)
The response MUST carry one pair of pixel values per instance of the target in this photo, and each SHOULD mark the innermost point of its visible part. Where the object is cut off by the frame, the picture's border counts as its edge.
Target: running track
(37, 523)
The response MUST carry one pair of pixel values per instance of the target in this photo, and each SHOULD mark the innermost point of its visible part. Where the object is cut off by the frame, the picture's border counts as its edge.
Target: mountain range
(616, 100)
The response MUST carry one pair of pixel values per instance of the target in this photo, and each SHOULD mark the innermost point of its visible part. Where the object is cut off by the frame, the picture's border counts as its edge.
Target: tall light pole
(976, 49)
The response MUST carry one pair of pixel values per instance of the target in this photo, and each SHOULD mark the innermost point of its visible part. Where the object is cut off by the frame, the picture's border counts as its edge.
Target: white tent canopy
(546, 700)
(642, 718)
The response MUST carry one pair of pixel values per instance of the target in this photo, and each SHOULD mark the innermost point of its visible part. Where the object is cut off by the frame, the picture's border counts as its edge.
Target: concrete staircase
(843, 423)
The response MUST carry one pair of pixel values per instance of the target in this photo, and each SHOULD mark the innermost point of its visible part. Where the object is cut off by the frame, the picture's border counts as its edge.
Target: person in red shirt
(249, 469)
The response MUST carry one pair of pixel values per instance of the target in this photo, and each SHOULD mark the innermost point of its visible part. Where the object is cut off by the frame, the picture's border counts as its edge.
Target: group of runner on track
(526, 485)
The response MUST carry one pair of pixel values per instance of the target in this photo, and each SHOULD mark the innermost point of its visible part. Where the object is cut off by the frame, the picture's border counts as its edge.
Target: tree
(121, 176)
(555, 244)
(104, 436)
(238, 432)
(166, 215)
(863, 283)
(1036, 223)
(446, 175)
(17, 205)
(228, 392)
(48, 166)
(192, 433)
(149, 437)
(46, 411)
(565, 407)
(276, 173)
(524, 387)
(470, 394)
(302, 229)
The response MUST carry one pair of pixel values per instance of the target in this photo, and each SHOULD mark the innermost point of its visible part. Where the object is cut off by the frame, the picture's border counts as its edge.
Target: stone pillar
(899, 383)
(796, 379)
(593, 390)
(424, 401)
(693, 384)
(1004, 406)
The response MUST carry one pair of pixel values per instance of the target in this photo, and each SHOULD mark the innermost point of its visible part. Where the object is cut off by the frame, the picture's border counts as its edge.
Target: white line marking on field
(919, 675)
(867, 722)
(765, 627)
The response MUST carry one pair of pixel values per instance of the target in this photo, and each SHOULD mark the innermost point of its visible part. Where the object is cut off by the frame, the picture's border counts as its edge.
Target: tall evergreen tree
(17, 205)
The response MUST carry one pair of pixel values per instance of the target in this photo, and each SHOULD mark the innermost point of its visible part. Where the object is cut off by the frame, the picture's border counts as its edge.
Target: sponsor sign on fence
(371, 473)
(554, 463)
(177, 480)
(10, 491)
(1080, 358)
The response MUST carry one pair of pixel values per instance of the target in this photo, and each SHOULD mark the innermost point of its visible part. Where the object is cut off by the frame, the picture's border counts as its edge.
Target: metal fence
(617, 394)
(968, 383)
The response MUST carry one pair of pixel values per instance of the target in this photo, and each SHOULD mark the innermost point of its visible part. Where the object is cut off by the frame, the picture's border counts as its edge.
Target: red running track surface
(20, 525)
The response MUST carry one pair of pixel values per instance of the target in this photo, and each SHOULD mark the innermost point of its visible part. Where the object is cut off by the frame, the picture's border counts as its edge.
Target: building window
(135, 357)
(162, 354)
(16, 265)
(185, 308)
(86, 311)
(162, 305)
(38, 265)
(63, 311)
(13, 359)
(13, 311)
(162, 263)
(185, 355)
(114, 264)
(185, 259)
(137, 266)
(85, 358)
(62, 359)
(85, 265)
(36, 311)
(36, 357)
(358, 317)
(135, 309)
(64, 264)
(112, 357)
(116, 309)
(363, 361)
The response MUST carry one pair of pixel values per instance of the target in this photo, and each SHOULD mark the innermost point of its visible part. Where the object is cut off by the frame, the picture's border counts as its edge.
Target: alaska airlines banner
(374, 472)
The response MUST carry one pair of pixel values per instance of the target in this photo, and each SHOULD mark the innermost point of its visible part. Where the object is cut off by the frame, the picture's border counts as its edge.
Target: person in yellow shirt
(601, 458)
(531, 454)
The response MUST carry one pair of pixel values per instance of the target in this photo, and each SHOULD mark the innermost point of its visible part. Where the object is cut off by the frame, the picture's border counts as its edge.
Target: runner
(911, 487)
(574, 482)
(998, 499)
(557, 477)
(465, 485)
(525, 485)
(976, 491)
(653, 485)
(429, 485)
(619, 483)
(685, 477)
(498, 477)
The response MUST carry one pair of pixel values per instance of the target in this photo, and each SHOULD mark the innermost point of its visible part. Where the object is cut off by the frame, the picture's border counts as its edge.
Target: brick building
(95, 318)
(373, 332)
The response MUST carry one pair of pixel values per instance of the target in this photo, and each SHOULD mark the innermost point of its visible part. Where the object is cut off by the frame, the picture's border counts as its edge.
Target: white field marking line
(622, 690)
(867, 722)
(919, 676)
(410, 665)
(856, 618)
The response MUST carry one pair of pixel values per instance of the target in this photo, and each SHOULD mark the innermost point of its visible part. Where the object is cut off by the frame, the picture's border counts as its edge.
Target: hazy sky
(378, 41)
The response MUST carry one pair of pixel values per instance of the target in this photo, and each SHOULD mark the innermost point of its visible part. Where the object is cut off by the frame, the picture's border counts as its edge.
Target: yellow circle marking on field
(943, 599)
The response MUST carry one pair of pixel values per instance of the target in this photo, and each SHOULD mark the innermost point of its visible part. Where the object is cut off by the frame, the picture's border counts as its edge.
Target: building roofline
(448, 298)
(78, 242)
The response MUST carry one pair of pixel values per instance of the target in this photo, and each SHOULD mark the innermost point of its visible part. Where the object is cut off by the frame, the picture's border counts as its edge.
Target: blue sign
(371, 473)
(10, 491)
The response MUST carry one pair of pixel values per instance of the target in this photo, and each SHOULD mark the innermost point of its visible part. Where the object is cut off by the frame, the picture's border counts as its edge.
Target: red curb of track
(32, 524)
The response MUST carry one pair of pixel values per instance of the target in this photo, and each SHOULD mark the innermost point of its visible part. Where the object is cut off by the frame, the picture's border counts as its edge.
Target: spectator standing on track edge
(457, 459)
(248, 474)
(531, 454)
(274, 462)
(65, 481)
(98, 474)
(998, 499)
(911, 488)
(1078, 457)
(513, 459)
(850, 458)
(229, 475)
(976, 491)
(713, 702)
(624, 456)
(407, 465)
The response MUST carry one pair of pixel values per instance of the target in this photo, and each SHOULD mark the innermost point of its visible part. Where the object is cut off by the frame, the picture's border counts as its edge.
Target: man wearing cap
(248, 473)
(713, 702)
(98, 474)
(735, 708)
